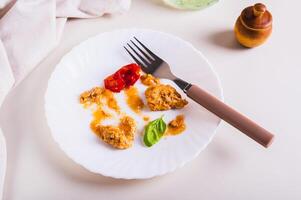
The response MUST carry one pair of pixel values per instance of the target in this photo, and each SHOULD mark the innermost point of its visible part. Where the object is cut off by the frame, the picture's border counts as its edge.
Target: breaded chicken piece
(98, 95)
(121, 136)
(163, 97)
(91, 96)
(149, 80)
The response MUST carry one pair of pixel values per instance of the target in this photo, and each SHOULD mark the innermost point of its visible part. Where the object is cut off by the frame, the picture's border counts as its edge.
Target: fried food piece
(177, 125)
(99, 95)
(163, 97)
(121, 136)
(149, 80)
(91, 96)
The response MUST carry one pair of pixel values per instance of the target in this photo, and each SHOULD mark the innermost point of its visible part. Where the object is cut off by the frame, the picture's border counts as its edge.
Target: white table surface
(263, 83)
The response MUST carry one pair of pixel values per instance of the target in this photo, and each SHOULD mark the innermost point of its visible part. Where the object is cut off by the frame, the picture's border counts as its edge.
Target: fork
(150, 63)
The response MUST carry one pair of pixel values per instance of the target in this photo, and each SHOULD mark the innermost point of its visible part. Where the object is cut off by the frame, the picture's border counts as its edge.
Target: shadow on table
(225, 39)
(13, 143)
(221, 151)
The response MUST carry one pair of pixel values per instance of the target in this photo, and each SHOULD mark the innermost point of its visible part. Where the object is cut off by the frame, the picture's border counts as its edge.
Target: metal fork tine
(146, 63)
(149, 51)
(137, 60)
(145, 54)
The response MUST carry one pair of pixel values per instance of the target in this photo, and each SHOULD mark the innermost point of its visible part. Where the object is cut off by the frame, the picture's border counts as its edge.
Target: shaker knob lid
(256, 17)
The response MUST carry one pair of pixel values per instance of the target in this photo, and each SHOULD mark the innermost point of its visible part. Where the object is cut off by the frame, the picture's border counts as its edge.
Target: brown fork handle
(230, 115)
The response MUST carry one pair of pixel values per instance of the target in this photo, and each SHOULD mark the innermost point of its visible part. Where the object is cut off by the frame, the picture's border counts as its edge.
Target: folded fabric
(29, 30)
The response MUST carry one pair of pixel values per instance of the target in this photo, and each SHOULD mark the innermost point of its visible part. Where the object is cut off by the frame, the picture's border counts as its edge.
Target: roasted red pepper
(123, 78)
(114, 83)
(130, 74)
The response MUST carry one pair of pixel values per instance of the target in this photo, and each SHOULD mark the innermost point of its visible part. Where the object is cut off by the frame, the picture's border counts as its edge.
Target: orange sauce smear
(100, 97)
(176, 126)
(98, 116)
(111, 101)
(133, 100)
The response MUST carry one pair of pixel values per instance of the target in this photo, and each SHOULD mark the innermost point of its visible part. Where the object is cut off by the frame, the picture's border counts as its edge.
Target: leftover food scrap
(177, 125)
(149, 80)
(155, 129)
(125, 77)
(121, 136)
(104, 105)
(164, 97)
(99, 96)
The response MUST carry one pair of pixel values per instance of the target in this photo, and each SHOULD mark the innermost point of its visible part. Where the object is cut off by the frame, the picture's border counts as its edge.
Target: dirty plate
(86, 65)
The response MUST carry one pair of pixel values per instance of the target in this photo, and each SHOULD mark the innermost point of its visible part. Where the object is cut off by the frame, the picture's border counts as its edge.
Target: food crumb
(98, 96)
(91, 96)
(149, 80)
(176, 126)
(146, 118)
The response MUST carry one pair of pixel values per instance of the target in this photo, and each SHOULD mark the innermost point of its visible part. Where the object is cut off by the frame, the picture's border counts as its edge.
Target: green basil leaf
(162, 125)
(154, 131)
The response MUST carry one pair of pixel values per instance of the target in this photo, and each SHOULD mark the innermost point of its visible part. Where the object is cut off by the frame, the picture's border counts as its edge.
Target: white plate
(86, 65)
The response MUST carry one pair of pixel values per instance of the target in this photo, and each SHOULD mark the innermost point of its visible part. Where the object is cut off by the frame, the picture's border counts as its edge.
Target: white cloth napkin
(29, 30)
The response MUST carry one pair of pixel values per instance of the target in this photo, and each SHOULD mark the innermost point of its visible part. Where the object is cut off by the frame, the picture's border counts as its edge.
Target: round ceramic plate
(86, 65)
